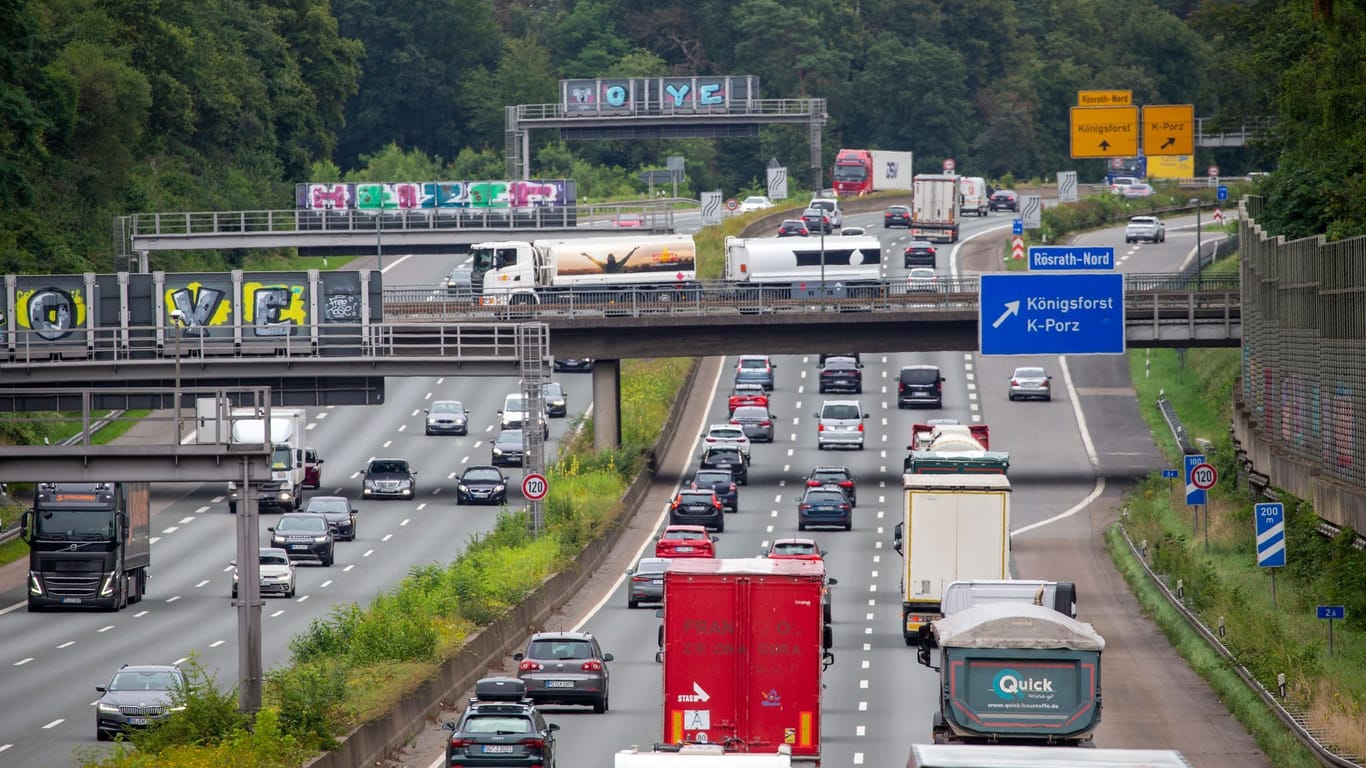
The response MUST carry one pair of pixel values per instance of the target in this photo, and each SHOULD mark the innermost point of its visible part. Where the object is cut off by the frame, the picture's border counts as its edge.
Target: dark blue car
(825, 506)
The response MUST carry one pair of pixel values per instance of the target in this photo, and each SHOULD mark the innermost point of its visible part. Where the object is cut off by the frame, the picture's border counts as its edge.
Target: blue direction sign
(1194, 495)
(1066, 258)
(1051, 314)
(1222, 192)
(1170, 474)
(1332, 611)
(1017, 226)
(1270, 519)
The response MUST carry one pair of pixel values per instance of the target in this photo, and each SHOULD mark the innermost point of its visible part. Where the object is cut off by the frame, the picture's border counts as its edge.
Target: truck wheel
(801, 526)
(232, 507)
(327, 563)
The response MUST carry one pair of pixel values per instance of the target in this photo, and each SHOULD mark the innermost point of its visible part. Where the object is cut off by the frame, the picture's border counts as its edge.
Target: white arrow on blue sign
(1066, 258)
(1051, 314)
(1194, 495)
(1017, 227)
(1270, 519)
(1222, 192)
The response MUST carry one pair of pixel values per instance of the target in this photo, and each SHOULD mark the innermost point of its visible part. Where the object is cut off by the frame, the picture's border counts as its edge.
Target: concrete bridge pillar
(606, 404)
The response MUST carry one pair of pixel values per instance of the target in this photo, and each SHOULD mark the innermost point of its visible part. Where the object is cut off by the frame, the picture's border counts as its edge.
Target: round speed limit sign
(1204, 476)
(534, 486)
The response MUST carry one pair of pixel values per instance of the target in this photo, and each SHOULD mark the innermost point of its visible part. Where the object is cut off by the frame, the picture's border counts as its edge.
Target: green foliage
(208, 715)
(308, 698)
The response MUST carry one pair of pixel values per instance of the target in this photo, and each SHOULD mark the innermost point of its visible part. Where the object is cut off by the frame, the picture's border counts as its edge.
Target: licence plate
(137, 721)
(500, 749)
(683, 549)
(657, 582)
(298, 546)
(71, 600)
(559, 683)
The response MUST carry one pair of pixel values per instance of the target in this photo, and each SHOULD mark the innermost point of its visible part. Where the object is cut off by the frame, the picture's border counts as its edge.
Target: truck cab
(498, 270)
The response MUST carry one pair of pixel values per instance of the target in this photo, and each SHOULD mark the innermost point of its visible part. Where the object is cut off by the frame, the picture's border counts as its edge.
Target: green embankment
(1225, 582)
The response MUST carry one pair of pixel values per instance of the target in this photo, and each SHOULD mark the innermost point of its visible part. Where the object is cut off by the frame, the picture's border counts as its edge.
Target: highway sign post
(1202, 476)
(1169, 129)
(1067, 186)
(1104, 131)
(1195, 496)
(1017, 226)
(1170, 474)
(1067, 258)
(1270, 521)
(1222, 192)
(1330, 613)
(1031, 211)
(535, 486)
(948, 165)
(1051, 314)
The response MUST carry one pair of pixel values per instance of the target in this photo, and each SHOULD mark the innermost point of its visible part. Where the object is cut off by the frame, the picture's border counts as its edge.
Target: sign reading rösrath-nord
(1071, 258)
(1051, 314)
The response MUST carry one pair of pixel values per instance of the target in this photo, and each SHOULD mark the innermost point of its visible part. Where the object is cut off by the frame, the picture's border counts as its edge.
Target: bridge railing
(731, 108)
(613, 216)
(1144, 292)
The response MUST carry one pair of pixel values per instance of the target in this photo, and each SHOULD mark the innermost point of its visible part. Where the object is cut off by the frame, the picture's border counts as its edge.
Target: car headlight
(499, 488)
(497, 451)
(405, 483)
(108, 709)
(320, 539)
(463, 488)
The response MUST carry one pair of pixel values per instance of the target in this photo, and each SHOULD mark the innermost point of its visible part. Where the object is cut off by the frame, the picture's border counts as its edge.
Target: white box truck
(520, 272)
(954, 527)
(973, 199)
(934, 208)
(284, 490)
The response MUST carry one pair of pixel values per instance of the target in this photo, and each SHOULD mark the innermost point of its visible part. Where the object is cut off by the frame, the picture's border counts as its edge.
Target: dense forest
(110, 107)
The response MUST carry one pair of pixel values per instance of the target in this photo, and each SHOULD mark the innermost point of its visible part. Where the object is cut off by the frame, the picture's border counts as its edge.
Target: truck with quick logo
(955, 526)
(953, 449)
(744, 646)
(1013, 673)
(89, 545)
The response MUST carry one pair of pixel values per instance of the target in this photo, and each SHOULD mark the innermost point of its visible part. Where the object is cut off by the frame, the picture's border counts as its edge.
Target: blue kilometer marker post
(1068, 258)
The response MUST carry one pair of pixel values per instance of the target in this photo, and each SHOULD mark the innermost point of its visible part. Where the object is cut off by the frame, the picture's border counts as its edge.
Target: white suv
(1148, 228)
(832, 207)
(732, 435)
(839, 424)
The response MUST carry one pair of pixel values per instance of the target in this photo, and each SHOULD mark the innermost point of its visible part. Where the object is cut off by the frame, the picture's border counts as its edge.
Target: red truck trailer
(744, 647)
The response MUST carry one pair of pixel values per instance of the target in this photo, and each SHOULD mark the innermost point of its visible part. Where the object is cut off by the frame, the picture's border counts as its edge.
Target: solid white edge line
(1090, 455)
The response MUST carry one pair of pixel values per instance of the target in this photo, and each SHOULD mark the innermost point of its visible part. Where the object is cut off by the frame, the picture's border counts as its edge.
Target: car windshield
(711, 478)
(847, 411)
(388, 468)
(274, 558)
(483, 473)
(510, 438)
(793, 548)
(729, 455)
(656, 565)
(553, 389)
(560, 649)
(514, 404)
(919, 375)
(497, 724)
(447, 406)
(753, 362)
(750, 413)
(144, 680)
(898, 209)
(301, 524)
(728, 433)
(829, 475)
(694, 498)
(840, 362)
(1030, 373)
(321, 505)
(825, 497)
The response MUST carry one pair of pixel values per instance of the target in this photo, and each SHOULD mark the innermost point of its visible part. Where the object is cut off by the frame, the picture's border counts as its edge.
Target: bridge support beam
(606, 404)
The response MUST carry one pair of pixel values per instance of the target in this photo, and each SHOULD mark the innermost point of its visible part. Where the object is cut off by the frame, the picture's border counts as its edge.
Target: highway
(877, 698)
(51, 662)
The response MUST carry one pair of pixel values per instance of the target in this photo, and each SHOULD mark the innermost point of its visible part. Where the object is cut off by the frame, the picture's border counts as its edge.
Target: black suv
(841, 374)
(920, 385)
(305, 536)
(389, 479)
(897, 216)
(341, 517)
(698, 507)
(500, 726)
(1004, 200)
(481, 484)
(728, 458)
(919, 253)
(722, 482)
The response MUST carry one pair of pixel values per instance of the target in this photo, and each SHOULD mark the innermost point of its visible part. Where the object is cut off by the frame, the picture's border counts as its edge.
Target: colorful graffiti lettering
(202, 306)
(1340, 435)
(435, 195)
(273, 309)
(51, 312)
(708, 94)
(402, 195)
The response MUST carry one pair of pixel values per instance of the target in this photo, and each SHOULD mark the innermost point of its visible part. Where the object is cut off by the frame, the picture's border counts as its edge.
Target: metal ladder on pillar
(533, 350)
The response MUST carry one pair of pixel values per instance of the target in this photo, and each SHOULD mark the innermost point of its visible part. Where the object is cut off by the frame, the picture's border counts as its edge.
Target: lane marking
(1099, 487)
(22, 662)
(216, 643)
(54, 723)
(67, 644)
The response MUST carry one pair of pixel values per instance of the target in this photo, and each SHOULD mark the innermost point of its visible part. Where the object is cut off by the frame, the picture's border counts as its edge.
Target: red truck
(744, 646)
(861, 171)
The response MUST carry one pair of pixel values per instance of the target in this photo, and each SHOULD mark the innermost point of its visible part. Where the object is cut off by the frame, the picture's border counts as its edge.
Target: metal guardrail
(1168, 295)
(1297, 724)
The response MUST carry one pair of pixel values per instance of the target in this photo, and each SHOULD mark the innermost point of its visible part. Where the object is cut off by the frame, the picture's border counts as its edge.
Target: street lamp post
(379, 238)
(1199, 255)
(178, 327)
(822, 264)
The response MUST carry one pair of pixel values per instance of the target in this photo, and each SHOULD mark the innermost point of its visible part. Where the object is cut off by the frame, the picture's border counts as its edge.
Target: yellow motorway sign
(1105, 98)
(1104, 131)
(1169, 129)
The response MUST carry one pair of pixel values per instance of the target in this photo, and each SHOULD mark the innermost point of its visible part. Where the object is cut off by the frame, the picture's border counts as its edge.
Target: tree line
(121, 106)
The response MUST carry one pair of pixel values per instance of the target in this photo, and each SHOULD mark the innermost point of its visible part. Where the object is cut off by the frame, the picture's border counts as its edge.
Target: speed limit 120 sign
(534, 486)
(1204, 476)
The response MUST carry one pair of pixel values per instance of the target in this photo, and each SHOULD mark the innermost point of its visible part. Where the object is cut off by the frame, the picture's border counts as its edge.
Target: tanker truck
(512, 272)
(1014, 673)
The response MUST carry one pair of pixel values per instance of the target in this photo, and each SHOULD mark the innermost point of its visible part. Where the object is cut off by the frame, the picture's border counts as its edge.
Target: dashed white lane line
(172, 598)
(105, 628)
(201, 510)
(202, 583)
(67, 644)
(216, 643)
(301, 598)
(22, 662)
(277, 613)
(348, 568)
(310, 426)
(863, 706)
(388, 443)
(170, 530)
(368, 553)
(386, 537)
(180, 661)
(859, 730)
(403, 522)
(141, 613)
(54, 723)
(325, 584)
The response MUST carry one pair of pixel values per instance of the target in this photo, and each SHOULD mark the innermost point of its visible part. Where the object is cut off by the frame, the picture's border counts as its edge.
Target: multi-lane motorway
(877, 698)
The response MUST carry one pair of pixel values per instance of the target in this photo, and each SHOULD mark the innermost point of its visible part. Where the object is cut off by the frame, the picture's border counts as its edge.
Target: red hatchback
(685, 541)
(313, 469)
